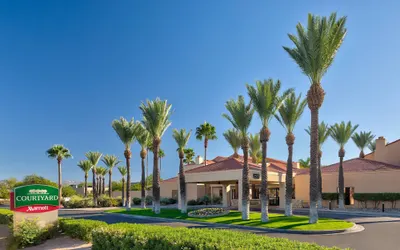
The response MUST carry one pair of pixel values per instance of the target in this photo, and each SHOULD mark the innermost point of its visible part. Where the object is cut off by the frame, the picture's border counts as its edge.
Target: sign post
(35, 202)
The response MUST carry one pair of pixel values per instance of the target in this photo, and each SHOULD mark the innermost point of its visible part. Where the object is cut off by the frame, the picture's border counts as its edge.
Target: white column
(240, 187)
(225, 190)
(282, 193)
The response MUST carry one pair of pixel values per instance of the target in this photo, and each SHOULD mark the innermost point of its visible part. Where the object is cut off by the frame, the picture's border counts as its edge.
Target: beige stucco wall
(386, 153)
(366, 182)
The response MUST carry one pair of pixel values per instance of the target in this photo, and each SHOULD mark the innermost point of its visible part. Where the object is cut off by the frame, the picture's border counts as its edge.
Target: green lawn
(234, 217)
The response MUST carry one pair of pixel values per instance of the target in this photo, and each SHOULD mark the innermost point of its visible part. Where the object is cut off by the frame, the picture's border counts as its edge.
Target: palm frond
(291, 111)
(181, 138)
(323, 133)
(142, 136)
(240, 116)
(255, 147)
(305, 163)
(58, 151)
(206, 131)
(189, 155)
(122, 170)
(341, 133)
(125, 130)
(233, 137)
(94, 157)
(110, 161)
(363, 139)
(85, 165)
(156, 116)
(372, 146)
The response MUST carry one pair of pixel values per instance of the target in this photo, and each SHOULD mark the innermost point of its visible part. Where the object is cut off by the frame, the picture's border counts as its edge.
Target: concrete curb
(349, 212)
(354, 229)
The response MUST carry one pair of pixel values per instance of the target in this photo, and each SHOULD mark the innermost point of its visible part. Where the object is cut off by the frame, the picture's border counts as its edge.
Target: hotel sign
(35, 198)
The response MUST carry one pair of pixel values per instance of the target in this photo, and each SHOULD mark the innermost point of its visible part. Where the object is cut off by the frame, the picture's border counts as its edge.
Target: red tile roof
(355, 165)
(170, 179)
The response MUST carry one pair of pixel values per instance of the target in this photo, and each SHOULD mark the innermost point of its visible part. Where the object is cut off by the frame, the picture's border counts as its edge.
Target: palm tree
(372, 146)
(143, 139)
(232, 136)
(342, 133)
(289, 113)
(255, 148)
(149, 148)
(85, 165)
(126, 131)
(266, 100)
(161, 154)
(323, 134)
(240, 117)
(305, 163)
(94, 158)
(189, 155)
(101, 173)
(206, 132)
(362, 140)
(156, 116)
(314, 61)
(123, 171)
(59, 152)
(110, 161)
(182, 137)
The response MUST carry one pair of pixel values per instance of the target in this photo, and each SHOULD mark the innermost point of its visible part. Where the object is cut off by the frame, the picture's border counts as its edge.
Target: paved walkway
(379, 233)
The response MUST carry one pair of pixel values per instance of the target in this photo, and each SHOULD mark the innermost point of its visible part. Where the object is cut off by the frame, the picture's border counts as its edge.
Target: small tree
(206, 132)
(362, 140)
(85, 165)
(233, 137)
(94, 158)
(110, 161)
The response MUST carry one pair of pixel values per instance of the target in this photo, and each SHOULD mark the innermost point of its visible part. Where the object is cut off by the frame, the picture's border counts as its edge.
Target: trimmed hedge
(80, 228)
(6, 216)
(330, 196)
(137, 236)
(377, 198)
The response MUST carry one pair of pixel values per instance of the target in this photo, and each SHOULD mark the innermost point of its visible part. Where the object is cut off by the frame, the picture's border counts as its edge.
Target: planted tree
(240, 115)
(189, 155)
(328, 33)
(266, 100)
(289, 113)
(323, 134)
(255, 148)
(126, 131)
(161, 154)
(232, 136)
(156, 116)
(94, 158)
(363, 140)
(102, 177)
(85, 165)
(123, 171)
(110, 161)
(372, 146)
(206, 132)
(143, 138)
(341, 133)
(59, 152)
(182, 137)
(305, 163)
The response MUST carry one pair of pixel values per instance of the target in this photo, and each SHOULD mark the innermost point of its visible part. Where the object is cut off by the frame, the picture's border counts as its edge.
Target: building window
(255, 192)
(234, 193)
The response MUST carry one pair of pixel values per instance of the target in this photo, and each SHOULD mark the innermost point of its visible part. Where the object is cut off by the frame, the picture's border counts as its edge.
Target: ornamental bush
(208, 212)
(330, 196)
(29, 233)
(192, 203)
(377, 198)
(168, 201)
(79, 228)
(6, 216)
(136, 201)
(139, 236)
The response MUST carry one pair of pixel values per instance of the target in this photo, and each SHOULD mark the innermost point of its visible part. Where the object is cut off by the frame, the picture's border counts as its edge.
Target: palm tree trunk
(156, 176)
(245, 181)
(59, 182)
(264, 137)
(160, 165)
(289, 176)
(143, 182)
(94, 187)
(314, 167)
(123, 192)
(109, 183)
(182, 184)
(205, 151)
(104, 185)
(341, 179)
(85, 191)
(128, 155)
(147, 167)
(98, 186)
(319, 180)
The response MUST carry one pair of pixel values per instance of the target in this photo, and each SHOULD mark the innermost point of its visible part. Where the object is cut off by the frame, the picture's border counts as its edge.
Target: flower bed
(208, 212)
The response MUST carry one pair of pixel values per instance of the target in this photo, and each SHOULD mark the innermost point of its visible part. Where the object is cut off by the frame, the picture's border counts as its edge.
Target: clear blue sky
(67, 69)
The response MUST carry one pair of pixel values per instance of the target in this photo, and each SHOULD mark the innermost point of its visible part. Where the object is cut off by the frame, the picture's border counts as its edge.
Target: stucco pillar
(282, 192)
(225, 192)
(240, 186)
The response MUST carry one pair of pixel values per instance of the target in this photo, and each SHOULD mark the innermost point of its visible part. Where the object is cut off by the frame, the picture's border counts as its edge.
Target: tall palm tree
(143, 139)
(110, 161)
(101, 173)
(126, 131)
(156, 116)
(341, 133)
(149, 148)
(206, 132)
(372, 146)
(161, 154)
(181, 137)
(123, 171)
(255, 148)
(362, 140)
(266, 100)
(189, 155)
(240, 116)
(305, 163)
(289, 113)
(85, 165)
(232, 136)
(94, 158)
(59, 152)
(328, 33)
(323, 134)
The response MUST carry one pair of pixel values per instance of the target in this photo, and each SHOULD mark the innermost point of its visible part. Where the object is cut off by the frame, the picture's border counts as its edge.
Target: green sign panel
(35, 198)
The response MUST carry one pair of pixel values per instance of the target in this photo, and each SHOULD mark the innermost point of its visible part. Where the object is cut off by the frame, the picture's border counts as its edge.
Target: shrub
(29, 233)
(6, 216)
(208, 212)
(330, 196)
(377, 198)
(78, 202)
(216, 200)
(68, 191)
(35, 179)
(138, 236)
(106, 201)
(136, 201)
(205, 200)
(80, 228)
(192, 202)
(149, 200)
(168, 201)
